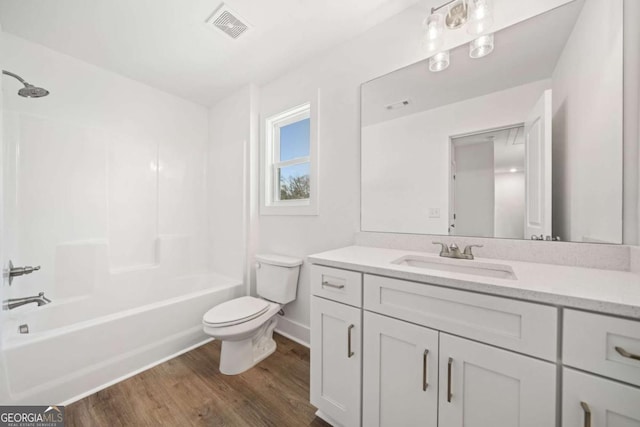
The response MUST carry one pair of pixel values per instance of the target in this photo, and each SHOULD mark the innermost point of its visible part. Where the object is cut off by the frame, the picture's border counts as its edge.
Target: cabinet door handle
(332, 285)
(425, 384)
(587, 414)
(625, 353)
(449, 394)
(349, 352)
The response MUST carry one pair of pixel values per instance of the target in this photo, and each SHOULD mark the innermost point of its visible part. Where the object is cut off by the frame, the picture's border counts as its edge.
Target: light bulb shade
(439, 61)
(480, 17)
(482, 46)
(433, 32)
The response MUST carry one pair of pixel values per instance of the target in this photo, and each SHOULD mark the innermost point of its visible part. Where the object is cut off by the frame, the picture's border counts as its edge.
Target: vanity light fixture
(480, 17)
(476, 15)
(513, 170)
(482, 46)
(457, 14)
(434, 29)
(439, 61)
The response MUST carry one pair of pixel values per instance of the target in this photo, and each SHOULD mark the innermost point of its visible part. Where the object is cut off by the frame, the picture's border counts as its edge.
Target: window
(288, 175)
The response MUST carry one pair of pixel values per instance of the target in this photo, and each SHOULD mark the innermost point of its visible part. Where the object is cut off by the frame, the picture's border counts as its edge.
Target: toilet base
(239, 356)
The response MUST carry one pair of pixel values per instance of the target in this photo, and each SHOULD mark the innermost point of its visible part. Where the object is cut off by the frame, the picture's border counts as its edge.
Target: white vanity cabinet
(486, 386)
(430, 356)
(400, 384)
(336, 350)
(592, 401)
(603, 346)
(416, 376)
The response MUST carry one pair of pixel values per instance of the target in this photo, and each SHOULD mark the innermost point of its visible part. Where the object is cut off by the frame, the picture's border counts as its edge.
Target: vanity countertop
(603, 291)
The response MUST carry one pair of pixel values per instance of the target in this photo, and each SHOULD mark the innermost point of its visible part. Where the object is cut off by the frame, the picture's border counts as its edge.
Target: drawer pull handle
(587, 414)
(349, 352)
(425, 384)
(449, 394)
(332, 285)
(625, 353)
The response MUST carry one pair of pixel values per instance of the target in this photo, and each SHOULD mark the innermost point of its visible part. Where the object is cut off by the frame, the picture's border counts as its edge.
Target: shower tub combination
(78, 346)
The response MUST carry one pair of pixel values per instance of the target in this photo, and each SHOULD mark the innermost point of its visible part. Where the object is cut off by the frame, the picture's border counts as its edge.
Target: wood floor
(190, 390)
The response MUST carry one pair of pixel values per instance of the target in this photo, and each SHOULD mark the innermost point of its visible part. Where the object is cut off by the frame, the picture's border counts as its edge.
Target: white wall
(474, 190)
(396, 185)
(509, 205)
(338, 75)
(102, 162)
(587, 160)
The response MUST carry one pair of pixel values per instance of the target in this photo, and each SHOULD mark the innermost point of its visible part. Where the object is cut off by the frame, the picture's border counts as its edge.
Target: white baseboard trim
(133, 373)
(294, 331)
(327, 418)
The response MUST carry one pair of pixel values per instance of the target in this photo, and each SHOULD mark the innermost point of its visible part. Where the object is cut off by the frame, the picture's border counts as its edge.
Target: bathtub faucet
(39, 299)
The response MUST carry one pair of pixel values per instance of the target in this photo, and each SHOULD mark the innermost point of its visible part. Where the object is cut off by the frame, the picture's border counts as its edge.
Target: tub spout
(39, 299)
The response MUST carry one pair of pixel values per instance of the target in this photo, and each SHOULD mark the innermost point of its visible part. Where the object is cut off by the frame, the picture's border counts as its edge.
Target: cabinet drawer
(337, 285)
(610, 404)
(590, 342)
(520, 326)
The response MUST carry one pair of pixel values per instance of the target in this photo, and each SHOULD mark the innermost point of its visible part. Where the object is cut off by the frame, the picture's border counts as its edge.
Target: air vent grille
(228, 22)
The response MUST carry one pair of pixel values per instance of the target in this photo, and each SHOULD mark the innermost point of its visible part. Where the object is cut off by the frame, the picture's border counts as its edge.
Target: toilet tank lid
(279, 260)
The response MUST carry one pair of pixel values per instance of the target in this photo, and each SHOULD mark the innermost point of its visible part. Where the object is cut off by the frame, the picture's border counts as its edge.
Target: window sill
(292, 208)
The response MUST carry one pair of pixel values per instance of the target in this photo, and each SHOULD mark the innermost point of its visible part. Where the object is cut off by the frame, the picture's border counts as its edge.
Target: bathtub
(79, 345)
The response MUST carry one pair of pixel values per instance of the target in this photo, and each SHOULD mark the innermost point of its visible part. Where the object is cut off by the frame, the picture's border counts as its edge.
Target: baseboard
(293, 330)
(327, 418)
(133, 373)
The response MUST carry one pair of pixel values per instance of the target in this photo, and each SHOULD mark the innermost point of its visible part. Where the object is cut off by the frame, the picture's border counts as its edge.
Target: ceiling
(166, 43)
(508, 147)
(524, 53)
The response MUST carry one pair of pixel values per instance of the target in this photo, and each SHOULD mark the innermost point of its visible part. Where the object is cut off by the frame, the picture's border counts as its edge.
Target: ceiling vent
(228, 21)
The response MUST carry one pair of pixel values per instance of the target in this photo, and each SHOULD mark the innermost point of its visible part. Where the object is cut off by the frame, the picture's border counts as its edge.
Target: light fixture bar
(435, 9)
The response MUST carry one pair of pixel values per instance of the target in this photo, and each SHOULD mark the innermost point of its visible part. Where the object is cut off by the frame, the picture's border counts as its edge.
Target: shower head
(29, 90)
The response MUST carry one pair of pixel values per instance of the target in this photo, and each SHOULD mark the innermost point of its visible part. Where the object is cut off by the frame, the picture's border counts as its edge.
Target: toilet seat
(236, 311)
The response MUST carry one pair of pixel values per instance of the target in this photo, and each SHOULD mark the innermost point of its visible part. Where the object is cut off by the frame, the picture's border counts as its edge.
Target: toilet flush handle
(257, 265)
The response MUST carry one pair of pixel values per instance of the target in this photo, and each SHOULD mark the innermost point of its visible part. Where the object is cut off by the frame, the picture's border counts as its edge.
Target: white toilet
(245, 325)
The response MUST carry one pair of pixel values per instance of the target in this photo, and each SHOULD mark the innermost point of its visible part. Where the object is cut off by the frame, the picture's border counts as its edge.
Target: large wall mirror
(525, 143)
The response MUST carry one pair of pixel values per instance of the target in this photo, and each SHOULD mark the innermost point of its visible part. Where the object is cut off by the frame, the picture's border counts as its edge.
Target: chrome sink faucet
(453, 251)
(39, 299)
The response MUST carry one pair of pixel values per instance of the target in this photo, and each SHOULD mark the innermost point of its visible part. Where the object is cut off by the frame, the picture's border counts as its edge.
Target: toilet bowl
(245, 325)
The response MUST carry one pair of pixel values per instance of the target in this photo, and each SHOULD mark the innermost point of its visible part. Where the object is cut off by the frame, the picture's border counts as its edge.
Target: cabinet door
(336, 356)
(590, 401)
(400, 373)
(483, 386)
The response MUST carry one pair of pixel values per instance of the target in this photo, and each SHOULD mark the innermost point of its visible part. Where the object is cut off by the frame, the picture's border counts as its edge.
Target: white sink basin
(458, 266)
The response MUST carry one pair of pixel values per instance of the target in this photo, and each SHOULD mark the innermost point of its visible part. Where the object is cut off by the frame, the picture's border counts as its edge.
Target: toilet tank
(277, 277)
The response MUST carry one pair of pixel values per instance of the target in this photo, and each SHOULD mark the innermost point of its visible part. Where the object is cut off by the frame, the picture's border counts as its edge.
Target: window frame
(271, 165)
(274, 124)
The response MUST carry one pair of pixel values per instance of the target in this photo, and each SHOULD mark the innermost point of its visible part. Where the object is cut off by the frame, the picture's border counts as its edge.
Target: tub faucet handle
(20, 271)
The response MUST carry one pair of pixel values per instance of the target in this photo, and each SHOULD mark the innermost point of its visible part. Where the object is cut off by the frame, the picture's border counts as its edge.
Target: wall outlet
(434, 212)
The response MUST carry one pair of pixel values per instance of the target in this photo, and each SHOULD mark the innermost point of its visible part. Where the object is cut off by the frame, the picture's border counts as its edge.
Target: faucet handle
(468, 249)
(444, 249)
